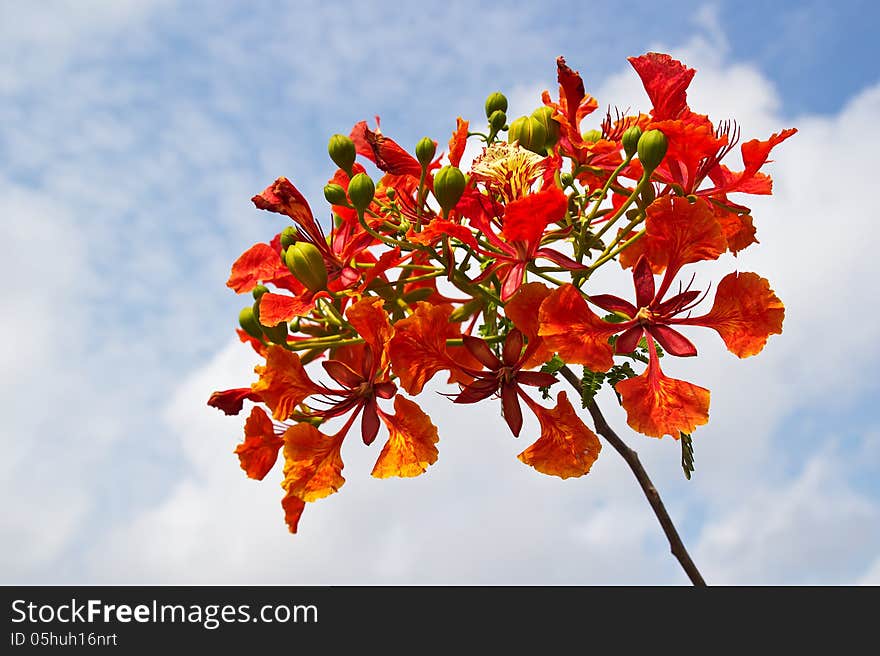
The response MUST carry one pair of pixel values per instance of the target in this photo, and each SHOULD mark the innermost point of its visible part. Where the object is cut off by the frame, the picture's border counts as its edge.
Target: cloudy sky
(132, 135)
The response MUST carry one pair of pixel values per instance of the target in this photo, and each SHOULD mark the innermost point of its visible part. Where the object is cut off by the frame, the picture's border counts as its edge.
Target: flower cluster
(484, 275)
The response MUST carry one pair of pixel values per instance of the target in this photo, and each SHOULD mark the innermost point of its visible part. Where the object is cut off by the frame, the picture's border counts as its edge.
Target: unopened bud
(335, 194)
(425, 150)
(592, 136)
(544, 115)
(249, 323)
(652, 149)
(496, 102)
(288, 236)
(630, 140)
(361, 191)
(307, 265)
(567, 179)
(259, 290)
(342, 152)
(497, 120)
(449, 184)
(529, 132)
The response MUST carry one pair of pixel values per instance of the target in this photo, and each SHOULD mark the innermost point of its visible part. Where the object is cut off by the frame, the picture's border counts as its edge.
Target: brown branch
(632, 459)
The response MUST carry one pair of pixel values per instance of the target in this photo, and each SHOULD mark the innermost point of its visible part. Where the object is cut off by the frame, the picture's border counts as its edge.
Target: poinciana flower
(745, 313)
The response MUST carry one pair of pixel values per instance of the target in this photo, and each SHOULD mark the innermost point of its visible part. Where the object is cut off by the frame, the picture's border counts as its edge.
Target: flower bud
(449, 183)
(258, 291)
(592, 136)
(529, 132)
(497, 120)
(288, 236)
(335, 194)
(567, 179)
(496, 102)
(249, 323)
(425, 150)
(630, 140)
(652, 149)
(306, 264)
(544, 115)
(361, 191)
(342, 151)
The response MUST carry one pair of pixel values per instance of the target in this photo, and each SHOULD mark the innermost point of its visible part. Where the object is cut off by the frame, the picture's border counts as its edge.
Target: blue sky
(132, 136)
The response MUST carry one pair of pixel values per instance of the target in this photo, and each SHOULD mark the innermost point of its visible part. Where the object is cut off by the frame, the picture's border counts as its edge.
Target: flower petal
(522, 309)
(410, 448)
(458, 141)
(678, 232)
(231, 401)
(418, 348)
(385, 153)
(571, 329)
(566, 447)
(275, 308)
(657, 405)
(525, 219)
(745, 313)
(258, 263)
(259, 451)
(293, 509)
(370, 320)
(283, 383)
(666, 80)
(312, 462)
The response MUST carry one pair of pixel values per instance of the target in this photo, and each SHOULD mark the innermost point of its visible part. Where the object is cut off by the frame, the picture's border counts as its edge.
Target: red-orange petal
(283, 383)
(525, 219)
(259, 451)
(571, 329)
(522, 309)
(258, 263)
(657, 405)
(275, 308)
(745, 313)
(738, 229)
(666, 80)
(458, 141)
(293, 509)
(566, 447)
(231, 401)
(282, 197)
(418, 349)
(410, 448)
(678, 232)
(371, 322)
(312, 462)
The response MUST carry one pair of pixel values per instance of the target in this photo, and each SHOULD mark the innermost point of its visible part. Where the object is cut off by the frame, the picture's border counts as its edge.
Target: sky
(132, 136)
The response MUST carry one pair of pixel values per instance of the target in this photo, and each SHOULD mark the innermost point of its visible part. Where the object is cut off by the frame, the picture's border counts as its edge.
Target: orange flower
(283, 383)
(312, 462)
(523, 311)
(418, 349)
(410, 447)
(566, 447)
(259, 451)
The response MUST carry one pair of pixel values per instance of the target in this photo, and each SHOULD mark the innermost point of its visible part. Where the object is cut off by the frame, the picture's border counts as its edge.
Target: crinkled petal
(571, 329)
(418, 349)
(525, 219)
(566, 447)
(259, 451)
(385, 153)
(410, 448)
(458, 141)
(275, 308)
(745, 313)
(657, 405)
(293, 509)
(370, 320)
(678, 232)
(312, 462)
(231, 401)
(258, 263)
(283, 383)
(666, 80)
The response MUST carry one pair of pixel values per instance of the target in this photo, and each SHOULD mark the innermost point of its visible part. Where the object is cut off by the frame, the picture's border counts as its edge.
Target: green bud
(497, 120)
(342, 151)
(630, 140)
(567, 179)
(592, 136)
(495, 102)
(249, 323)
(361, 191)
(335, 194)
(652, 149)
(390, 192)
(288, 236)
(306, 263)
(425, 150)
(449, 183)
(545, 116)
(259, 290)
(529, 132)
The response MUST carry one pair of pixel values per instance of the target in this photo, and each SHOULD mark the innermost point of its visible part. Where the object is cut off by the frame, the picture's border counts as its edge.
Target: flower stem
(632, 459)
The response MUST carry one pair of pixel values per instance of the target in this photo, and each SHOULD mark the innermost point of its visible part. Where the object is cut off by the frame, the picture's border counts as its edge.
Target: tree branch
(632, 459)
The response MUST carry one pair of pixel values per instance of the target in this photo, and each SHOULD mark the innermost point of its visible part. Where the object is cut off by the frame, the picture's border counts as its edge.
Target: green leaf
(687, 454)
(618, 373)
(591, 382)
(552, 366)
